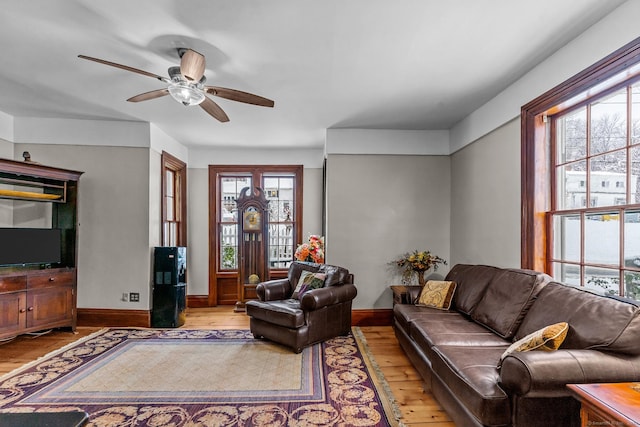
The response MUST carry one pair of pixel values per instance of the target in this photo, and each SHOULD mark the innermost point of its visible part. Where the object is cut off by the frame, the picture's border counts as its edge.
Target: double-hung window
(174, 206)
(581, 177)
(597, 244)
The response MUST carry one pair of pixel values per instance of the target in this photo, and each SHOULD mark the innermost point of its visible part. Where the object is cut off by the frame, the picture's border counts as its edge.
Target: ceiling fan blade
(214, 109)
(192, 65)
(238, 95)
(149, 95)
(125, 67)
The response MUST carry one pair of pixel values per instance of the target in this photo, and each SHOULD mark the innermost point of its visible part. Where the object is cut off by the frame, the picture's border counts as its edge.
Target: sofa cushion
(405, 314)
(548, 338)
(437, 294)
(586, 312)
(458, 331)
(470, 374)
(285, 313)
(335, 275)
(507, 299)
(471, 282)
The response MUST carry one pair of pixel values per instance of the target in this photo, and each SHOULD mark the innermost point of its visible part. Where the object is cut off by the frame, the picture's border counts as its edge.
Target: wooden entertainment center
(36, 297)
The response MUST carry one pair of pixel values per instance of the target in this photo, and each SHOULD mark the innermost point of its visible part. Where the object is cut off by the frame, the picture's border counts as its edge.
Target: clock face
(251, 219)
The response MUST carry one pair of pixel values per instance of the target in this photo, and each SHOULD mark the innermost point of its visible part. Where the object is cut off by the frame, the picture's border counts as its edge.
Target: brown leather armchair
(315, 316)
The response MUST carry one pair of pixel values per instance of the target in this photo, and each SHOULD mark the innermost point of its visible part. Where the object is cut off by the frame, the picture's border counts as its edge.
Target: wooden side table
(401, 294)
(610, 404)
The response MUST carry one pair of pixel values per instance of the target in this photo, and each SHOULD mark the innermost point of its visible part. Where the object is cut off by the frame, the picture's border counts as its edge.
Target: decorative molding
(142, 318)
(371, 317)
(388, 142)
(197, 301)
(113, 317)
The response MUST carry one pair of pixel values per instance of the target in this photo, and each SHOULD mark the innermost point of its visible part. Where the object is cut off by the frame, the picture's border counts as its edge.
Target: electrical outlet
(134, 296)
(125, 297)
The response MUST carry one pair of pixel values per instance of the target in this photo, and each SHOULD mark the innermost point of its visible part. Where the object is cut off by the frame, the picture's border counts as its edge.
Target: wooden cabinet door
(50, 307)
(12, 313)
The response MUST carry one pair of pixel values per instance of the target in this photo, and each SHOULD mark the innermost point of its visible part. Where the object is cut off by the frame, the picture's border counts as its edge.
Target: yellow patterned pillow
(548, 338)
(437, 294)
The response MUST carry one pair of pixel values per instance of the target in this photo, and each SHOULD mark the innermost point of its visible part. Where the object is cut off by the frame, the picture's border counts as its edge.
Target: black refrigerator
(169, 287)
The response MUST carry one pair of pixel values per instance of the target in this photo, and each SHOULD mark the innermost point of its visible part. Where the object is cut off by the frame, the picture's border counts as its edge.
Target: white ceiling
(379, 64)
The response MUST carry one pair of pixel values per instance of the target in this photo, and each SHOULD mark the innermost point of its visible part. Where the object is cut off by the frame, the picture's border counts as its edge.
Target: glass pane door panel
(279, 190)
(280, 245)
(231, 188)
(602, 238)
(228, 246)
(566, 237)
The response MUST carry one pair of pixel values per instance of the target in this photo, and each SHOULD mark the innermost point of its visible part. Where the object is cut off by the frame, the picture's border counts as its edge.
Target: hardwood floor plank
(418, 408)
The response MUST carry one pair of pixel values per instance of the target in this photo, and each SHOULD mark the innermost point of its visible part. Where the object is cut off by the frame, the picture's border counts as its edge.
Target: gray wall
(464, 207)
(198, 231)
(485, 199)
(380, 206)
(114, 249)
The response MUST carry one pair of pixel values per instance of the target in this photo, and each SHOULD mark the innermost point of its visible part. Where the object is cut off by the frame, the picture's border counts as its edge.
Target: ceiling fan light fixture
(186, 93)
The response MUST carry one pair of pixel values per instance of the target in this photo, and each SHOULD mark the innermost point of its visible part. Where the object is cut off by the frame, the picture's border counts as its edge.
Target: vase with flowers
(312, 251)
(417, 263)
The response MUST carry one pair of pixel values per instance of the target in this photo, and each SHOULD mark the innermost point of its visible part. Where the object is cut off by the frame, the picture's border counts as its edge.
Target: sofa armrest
(539, 372)
(323, 297)
(274, 290)
(413, 292)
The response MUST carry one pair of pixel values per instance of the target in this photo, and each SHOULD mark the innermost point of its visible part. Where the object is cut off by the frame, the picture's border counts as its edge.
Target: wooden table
(608, 404)
(401, 293)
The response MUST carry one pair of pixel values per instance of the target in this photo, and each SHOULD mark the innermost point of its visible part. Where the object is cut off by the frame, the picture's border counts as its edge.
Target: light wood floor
(418, 407)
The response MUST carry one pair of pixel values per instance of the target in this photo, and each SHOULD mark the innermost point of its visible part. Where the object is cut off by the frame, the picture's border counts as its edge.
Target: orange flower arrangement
(313, 251)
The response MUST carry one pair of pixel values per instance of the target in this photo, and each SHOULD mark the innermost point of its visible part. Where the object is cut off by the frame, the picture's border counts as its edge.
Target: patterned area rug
(179, 377)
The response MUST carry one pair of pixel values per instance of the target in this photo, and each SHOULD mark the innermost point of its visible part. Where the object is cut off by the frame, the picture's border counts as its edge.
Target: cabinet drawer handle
(51, 279)
(22, 310)
(30, 309)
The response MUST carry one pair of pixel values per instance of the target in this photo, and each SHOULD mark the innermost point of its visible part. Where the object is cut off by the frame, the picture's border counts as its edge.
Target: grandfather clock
(253, 235)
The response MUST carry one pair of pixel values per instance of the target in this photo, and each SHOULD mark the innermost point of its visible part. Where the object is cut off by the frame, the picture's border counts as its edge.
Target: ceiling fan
(186, 84)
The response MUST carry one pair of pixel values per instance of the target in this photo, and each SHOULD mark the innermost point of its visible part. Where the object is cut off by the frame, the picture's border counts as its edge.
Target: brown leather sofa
(457, 352)
(318, 315)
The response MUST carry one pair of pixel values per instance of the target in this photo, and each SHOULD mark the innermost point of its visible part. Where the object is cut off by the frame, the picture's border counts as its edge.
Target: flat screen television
(21, 246)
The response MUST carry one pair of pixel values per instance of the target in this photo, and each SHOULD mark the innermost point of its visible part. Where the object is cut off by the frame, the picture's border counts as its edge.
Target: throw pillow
(307, 282)
(437, 294)
(548, 338)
